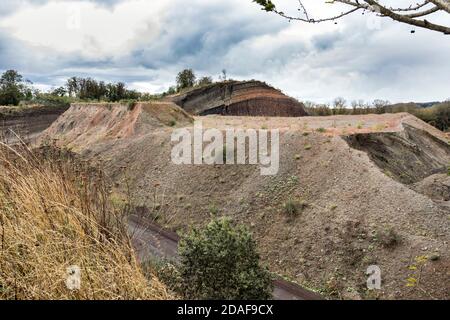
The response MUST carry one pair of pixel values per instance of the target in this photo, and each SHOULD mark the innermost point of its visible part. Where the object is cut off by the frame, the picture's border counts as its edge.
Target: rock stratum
(26, 123)
(239, 98)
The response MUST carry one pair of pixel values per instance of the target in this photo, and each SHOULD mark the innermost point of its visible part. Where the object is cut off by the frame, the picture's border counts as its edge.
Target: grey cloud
(353, 61)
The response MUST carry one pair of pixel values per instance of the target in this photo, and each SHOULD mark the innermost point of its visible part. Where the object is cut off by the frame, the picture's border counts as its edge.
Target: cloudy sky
(145, 43)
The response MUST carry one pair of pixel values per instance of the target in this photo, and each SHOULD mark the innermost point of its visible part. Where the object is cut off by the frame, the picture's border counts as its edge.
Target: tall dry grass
(54, 214)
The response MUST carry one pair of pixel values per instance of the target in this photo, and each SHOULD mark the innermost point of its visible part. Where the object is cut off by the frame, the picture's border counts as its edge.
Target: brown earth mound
(249, 98)
(87, 124)
(350, 213)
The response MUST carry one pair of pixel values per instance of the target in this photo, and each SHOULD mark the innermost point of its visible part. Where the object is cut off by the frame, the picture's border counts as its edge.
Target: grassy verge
(53, 215)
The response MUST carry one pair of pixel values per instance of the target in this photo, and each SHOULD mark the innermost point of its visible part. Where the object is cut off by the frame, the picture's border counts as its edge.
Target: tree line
(15, 89)
(437, 114)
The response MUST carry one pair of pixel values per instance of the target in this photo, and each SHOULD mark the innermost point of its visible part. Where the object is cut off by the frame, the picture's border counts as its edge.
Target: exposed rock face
(250, 98)
(407, 156)
(26, 122)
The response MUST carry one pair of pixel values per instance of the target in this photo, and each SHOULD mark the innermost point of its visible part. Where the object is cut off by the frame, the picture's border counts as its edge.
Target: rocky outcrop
(249, 98)
(407, 156)
(27, 123)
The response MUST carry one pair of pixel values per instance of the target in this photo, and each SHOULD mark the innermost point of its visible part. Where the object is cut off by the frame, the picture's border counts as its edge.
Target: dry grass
(54, 214)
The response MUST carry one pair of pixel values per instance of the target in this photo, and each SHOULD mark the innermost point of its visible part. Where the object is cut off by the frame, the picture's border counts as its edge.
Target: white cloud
(85, 27)
(145, 43)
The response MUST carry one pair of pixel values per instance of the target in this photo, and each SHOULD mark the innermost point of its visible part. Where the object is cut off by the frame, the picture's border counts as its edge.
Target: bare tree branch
(405, 19)
(443, 4)
(408, 14)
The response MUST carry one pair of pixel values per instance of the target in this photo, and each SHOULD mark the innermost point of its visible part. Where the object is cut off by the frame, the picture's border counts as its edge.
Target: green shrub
(292, 208)
(388, 238)
(213, 210)
(220, 262)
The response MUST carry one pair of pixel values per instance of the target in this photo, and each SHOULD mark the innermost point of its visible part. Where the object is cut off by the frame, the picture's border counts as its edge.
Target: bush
(220, 262)
(49, 100)
(388, 238)
(292, 208)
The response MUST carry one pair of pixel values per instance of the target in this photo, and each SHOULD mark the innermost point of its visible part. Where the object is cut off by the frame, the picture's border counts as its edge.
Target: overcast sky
(145, 43)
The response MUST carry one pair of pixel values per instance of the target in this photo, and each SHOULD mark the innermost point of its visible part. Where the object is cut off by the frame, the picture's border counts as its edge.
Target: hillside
(238, 98)
(355, 208)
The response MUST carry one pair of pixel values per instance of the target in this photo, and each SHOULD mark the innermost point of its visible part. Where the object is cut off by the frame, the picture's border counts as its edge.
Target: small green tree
(13, 88)
(185, 79)
(221, 262)
(59, 92)
(204, 81)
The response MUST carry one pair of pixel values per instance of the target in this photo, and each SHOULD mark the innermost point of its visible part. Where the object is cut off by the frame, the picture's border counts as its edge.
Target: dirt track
(151, 240)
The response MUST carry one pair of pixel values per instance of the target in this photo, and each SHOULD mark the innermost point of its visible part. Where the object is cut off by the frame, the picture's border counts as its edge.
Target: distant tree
(121, 91)
(413, 12)
(13, 88)
(380, 106)
(223, 75)
(72, 86)
(172, 90)
(60, 92)
(339, 105)
(204, 81)
(221, 262)
(185, 79)
(90, 89)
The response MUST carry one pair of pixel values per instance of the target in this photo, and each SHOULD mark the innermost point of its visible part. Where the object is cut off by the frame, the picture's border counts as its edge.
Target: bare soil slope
(88, 124)
(354, 210)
